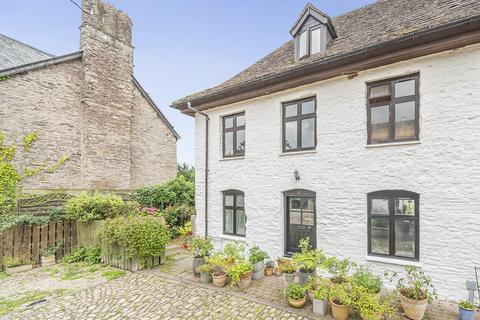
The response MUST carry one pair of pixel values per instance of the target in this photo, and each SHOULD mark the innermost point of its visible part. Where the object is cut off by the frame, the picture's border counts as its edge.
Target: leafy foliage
(11, 262)
(320, 286)
(341, 294)
(176, 192)
(11, 220)
(366, 279)
(186, 171)
(234, 251)
(467, 305)
(141, 236)
(201, 246)
(96, 206)
(296, 291)
(113, 274)
(257, 255)
(415, 284)
(238, 270)
(307, 259)
(91, 255)
(176, 217)
(369, 305)
(338, 268)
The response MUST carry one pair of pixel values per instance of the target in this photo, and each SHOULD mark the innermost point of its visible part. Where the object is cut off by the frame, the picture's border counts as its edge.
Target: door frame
(298, 193)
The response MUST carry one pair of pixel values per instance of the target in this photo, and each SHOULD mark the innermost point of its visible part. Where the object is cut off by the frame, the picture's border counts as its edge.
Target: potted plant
(269, 268)
(257, 258)
(201, 248)
(289, 270)
(282, 261)
(16, 265)
(277, 270)
(370, 306)
(218, 263)
(205, 271)
(338, 269)
(340, 300)
(307, 260)
(366, 279)
(296, 295)
(320, 299)
(47, 256)
(416, 291)
(466, 310)
(241, 274)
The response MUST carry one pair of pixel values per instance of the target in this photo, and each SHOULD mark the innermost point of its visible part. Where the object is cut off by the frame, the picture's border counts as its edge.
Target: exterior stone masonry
(91, 109)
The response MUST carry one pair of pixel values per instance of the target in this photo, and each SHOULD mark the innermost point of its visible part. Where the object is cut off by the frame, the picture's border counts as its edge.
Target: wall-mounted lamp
(296, 174)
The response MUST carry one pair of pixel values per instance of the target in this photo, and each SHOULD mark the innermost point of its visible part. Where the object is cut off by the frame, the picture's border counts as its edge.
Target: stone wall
(443, 168)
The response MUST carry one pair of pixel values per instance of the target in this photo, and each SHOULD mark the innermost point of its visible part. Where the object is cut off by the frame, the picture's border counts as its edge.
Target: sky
(181, 46)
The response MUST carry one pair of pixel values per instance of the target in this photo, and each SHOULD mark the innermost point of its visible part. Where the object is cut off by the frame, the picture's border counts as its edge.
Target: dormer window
(312, 32)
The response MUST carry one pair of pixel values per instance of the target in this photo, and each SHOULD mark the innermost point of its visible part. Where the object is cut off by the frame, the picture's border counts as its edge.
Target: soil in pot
(204, 277)
(268, 271)
(219, 279)
(197, 262)
(245, 281)
(258, 270)
(297, 303)
(340, 312)
(413, 309)
(47, 261)
(320, 307)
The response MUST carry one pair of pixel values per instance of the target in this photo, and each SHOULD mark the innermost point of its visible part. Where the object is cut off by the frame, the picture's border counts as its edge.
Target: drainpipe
(189, 106)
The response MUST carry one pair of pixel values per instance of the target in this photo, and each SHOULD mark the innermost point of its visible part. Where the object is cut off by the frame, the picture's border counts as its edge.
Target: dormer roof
(311, 11)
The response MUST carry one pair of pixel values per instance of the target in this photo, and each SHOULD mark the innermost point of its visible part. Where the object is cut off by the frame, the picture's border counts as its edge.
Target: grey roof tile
(14, 53)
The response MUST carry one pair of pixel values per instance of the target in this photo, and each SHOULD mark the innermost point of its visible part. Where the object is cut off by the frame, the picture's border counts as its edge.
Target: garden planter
(464, 314)
(18, 269)
(258, 270)
(197, 262)
(277, 271)
(297, 303)
(340, 312)
(245, 281)
(414, 309)
(269, 271)
(320, 307)
(204, 277)
(47, 261)
(289, 278)
(303, 277)
(219, 279)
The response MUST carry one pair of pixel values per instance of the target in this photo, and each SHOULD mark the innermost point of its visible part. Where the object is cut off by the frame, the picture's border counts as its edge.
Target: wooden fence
(27, 241)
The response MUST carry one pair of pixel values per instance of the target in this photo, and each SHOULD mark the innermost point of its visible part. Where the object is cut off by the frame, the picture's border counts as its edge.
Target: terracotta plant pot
(219, 279)
(289, 278)
(47, 261)
(245, 280)
(414, 309)
(197, 262)
(18, 269)
(258, 270)
(297, 303)
(205, 277)
(277, 271)
(268, 271)
(340, 312)
(320, 307)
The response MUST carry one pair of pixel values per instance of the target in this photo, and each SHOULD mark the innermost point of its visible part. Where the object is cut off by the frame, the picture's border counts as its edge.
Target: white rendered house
(362, 133)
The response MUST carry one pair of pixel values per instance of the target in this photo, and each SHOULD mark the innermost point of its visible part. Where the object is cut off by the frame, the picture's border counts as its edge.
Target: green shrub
(187, 171)
(176, 217)
(141, 236)
(296, 291)
(89, 254)
(307, 259)
(176, 192)
(201, 246)
(366, 279)
(86, 207)
(11, 220)
(257, 255)
(57, 214)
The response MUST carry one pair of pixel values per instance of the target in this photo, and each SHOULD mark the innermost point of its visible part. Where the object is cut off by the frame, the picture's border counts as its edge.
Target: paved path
(146, 296)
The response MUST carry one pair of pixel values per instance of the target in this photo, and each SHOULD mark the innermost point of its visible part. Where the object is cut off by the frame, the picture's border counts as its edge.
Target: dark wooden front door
(300, 219)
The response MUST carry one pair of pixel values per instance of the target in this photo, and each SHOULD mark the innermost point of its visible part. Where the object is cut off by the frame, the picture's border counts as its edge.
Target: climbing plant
(12, 174)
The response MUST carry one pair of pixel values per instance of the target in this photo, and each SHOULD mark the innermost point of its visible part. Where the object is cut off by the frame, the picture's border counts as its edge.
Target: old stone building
(86, 105)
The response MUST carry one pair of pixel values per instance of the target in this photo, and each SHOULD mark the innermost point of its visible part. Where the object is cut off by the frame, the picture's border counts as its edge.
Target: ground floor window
(234, 218)
(393, 224)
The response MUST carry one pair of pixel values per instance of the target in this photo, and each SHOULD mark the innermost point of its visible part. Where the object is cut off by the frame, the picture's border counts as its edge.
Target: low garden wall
(117, 257)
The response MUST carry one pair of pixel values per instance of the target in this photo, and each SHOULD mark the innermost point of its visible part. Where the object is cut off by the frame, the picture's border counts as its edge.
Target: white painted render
(444, 167)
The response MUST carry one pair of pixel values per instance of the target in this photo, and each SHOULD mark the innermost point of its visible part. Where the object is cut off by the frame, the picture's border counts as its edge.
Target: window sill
(297, 152)
(399, 262)
(232, 237)
(391, 144)
(232, 158)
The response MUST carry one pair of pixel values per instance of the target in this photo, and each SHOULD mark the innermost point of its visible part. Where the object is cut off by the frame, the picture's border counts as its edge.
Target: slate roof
(14, 53)
(377, 23)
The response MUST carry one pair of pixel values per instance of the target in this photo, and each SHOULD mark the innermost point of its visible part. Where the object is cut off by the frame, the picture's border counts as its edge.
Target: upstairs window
(393, 224)
(393, 110)
(315, 41)
(299, 125)
(234, 135)
(234, 218)
(303, 45)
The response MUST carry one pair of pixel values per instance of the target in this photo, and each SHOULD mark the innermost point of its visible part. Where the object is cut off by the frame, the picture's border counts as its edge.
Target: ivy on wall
(12, 175)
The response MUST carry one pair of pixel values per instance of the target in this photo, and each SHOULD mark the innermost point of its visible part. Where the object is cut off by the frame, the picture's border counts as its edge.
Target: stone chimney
(105, 39)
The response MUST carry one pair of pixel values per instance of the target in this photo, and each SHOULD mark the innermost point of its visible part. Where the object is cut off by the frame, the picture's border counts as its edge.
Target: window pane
(229, 200)
(291, 135)
(240, 200)
(308, 218)
(295, 203)
(404, 88)
(228, 122)
(308, 205)
(240, 220)
(308, 133)
(303, 44)
(290, 111)
(241, 120)
(308, 107)
(228, 143)
(315, 41)
(228, 221)
(295, 217)
(379, 91)
(405, 206)
(380, 206)
(405, 120)
(379, 121)
(240, 141)
(380, 235)
(405, 238)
